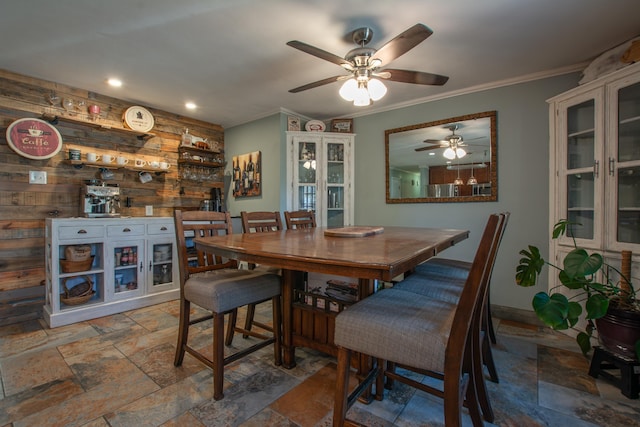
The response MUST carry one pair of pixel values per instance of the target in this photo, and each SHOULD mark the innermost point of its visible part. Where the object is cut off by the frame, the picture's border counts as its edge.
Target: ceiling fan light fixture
(449, 153)
(377, 89)
(362, 97)
(349, 90)
(460, 152)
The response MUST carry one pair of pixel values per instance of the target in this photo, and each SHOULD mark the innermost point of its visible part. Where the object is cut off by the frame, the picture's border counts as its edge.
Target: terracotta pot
(619, 330)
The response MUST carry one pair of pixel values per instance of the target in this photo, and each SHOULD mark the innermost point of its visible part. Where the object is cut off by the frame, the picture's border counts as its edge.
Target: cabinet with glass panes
(320, 175)
(595, 164)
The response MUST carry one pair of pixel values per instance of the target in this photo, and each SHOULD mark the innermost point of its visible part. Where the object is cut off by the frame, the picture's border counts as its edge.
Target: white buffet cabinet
(134, 264)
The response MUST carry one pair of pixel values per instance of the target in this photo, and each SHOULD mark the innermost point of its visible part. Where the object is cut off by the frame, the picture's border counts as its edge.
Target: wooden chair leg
(248, 323)
(342, 387)
(218, 356)
(487, 359)
(231, 327)
(183, 332)
(391, 367)
(380, 379)
(490, 329)
(480, 387)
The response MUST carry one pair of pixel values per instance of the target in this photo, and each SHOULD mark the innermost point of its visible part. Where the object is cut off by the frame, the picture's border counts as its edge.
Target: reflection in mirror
(450, 160)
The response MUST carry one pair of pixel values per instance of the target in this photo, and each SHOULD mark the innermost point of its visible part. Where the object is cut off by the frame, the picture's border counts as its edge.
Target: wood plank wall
(24, 206)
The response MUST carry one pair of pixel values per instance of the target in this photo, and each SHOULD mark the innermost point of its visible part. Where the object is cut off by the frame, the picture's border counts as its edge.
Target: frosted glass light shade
(362, 97)
(349, 90)
(460, 153)
(449, 153)
(376, 89)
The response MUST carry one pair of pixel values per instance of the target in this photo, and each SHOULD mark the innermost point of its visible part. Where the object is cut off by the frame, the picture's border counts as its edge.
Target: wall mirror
(449, 160)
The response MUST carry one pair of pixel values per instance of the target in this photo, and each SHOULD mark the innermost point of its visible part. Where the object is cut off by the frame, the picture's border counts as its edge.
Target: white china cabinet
(320, 176)
(134, 264)
(595, 164)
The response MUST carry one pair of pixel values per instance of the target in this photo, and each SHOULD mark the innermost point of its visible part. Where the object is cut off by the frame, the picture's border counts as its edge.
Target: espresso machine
(99, 200)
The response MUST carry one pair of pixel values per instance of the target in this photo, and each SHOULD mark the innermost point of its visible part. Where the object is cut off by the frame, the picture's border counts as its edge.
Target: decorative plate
(138, 119)
(34, 139)
(315, 126)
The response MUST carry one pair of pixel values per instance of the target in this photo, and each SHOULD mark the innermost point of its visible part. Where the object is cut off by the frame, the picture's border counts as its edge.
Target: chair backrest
(258, 222)
(192, 224)
(299, 219)
(469, 308)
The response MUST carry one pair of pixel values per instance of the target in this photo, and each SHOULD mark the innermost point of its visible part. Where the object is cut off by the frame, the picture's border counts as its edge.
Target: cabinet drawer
(80, 232)
(125, 230)
(160, 228)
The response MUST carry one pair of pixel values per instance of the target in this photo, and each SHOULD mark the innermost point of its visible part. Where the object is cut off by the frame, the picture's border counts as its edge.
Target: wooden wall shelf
(97, 124)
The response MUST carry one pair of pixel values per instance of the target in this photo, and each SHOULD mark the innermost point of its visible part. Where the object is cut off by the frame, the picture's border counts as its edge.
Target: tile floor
(118, 371)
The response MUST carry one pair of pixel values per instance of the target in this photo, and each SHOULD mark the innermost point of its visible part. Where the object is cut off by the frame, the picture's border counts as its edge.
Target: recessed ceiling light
(191, 106)
(114, 82)
(432, 154)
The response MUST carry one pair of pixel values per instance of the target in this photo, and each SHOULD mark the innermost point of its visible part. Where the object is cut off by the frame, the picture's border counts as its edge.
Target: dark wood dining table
(383, 255)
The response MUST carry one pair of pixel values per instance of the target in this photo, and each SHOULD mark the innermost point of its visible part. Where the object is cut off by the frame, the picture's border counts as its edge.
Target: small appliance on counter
(99, 200)
(213, 204)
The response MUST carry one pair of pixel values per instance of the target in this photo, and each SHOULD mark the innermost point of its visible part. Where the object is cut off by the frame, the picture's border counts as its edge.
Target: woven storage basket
(79, 294)
(75, 266)
(77, 252)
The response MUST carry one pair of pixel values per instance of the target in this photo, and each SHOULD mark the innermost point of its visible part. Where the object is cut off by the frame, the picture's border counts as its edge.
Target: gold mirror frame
(406, 168)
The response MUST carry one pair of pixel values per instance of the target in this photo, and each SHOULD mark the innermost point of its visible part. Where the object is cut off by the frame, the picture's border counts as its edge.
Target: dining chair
(444, 278)
(427, 335)
(218, 286)
(299, 219)
(259, 222)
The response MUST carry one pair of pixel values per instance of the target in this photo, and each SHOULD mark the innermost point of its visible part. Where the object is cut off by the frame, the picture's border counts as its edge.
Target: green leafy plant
(589, 296)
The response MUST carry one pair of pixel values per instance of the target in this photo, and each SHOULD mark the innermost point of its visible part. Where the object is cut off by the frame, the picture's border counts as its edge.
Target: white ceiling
(231, 58)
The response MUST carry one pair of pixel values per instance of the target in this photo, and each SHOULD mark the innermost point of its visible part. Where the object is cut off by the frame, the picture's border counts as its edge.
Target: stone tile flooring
(118, 371)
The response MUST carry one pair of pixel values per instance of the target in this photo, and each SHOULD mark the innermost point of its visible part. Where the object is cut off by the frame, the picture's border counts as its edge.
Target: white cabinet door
(320, 175)
(125, 260)
(623, 164)
(580, 177)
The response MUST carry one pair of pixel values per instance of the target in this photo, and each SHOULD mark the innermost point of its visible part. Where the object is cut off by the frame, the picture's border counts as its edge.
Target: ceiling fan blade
(435, 147)
(322, 54)
(402, 43)
(318, 83)
(416, 77)
(436, 141)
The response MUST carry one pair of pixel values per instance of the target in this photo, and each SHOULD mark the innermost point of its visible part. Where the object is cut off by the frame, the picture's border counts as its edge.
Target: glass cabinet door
(624, 168)
(335, 184)
(128, 258)
(161, 265)
(581, 169)
(305, 181)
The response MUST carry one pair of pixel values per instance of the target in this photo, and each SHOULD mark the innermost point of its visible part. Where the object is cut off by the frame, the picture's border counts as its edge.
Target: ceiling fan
(366, 65)
(452, 143)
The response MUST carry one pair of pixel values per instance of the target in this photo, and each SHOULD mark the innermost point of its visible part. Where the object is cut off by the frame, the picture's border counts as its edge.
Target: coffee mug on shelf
(121, 160)
(145, 177)
(140, 163)
(92, 157)
(164, 165)
(154, 164)
(106, 158)
(74, 154)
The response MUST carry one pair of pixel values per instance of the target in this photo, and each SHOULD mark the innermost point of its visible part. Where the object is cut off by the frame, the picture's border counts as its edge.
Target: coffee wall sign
(34, 139)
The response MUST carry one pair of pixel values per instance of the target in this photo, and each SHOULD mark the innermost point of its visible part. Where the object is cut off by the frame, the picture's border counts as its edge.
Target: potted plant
(605, 304)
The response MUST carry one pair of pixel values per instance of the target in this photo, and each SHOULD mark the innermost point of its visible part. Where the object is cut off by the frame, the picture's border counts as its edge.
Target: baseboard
(516, 315)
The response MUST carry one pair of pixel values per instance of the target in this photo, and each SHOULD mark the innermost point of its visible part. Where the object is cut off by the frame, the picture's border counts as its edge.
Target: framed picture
(342, 125)
(247, 174)
(293, 123)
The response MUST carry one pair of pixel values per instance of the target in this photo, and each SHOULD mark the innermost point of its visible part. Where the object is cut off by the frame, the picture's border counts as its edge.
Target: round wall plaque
(34, 139)
(138, 119)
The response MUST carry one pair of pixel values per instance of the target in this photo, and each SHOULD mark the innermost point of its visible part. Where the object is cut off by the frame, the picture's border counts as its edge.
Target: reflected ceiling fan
(452, 143)
(366, 65)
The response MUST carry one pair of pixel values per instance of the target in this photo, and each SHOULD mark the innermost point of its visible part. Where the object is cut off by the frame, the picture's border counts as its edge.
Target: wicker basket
(68, 266)
(77, 252)
(79, 294)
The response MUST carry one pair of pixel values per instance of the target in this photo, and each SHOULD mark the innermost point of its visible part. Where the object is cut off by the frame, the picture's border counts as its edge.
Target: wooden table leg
(289, 279)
